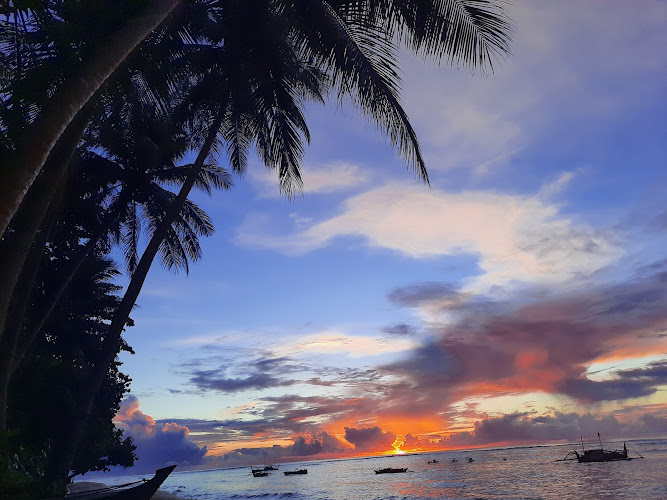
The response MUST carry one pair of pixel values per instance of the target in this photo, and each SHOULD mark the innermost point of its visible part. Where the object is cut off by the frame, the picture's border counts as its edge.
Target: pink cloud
(158, 444)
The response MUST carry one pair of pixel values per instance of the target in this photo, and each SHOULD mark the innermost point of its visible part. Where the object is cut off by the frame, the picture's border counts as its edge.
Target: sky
(521, 298)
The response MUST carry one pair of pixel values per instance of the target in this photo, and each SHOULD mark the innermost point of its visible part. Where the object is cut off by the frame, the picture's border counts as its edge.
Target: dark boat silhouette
(131, 491)
(599, 454)
(391, 470)
(295, 472)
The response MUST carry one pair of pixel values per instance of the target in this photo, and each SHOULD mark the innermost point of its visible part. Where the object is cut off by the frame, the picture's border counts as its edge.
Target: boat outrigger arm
(599, 455)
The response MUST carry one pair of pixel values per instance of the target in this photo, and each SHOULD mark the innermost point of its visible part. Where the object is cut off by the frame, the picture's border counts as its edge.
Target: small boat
(434, 461)
(259, 472)
(599, 455)
(295, 472)
(470, 460)
(271, 467)
(391, 470)
(138, 490)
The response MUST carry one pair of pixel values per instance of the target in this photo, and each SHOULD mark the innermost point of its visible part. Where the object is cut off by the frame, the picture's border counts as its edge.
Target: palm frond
(361, 60)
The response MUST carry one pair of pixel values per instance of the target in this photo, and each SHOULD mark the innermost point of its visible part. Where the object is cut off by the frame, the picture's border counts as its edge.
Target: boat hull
(602, 456)
(142, 491)
(391, 470)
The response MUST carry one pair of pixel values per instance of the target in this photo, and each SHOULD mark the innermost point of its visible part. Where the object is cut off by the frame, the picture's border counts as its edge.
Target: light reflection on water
(527, 473)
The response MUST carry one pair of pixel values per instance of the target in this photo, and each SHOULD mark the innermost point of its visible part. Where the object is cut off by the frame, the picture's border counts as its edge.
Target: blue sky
(519, 298)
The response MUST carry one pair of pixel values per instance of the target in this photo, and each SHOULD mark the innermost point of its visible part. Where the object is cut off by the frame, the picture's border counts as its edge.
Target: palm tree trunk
(19, 303)
(62, 462)
(20, 170)
(15, 244)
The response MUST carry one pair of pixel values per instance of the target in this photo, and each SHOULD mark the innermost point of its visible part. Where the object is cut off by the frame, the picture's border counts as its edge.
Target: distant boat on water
(271, 467)
(137, 490)
(295, 472)
(259, 472)
(599, 454)
(391, 470)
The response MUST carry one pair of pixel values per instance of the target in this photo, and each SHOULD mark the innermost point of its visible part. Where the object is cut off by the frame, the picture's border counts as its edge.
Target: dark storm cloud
(268, 372)
(626, 384)
(655, 372)
(269, 364)
(261, 373)
(275, 416)
(415, 295)
(400, 330)
(541, 341)
(321, 443)
(369, 439)
(589, 391)
(429, 362)
(211, 380)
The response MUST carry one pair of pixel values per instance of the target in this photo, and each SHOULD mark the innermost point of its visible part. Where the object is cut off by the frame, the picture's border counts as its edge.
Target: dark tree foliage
(45, 394)
(134, 84)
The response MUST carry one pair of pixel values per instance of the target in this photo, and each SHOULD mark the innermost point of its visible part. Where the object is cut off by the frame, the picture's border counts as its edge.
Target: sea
(509, 473)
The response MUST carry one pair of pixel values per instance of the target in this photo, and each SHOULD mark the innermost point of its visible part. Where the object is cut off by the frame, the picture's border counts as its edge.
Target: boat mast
(600, 441)
(583, 450)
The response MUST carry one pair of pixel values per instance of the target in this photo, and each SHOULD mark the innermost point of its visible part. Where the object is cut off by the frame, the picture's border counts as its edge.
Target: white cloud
(557, 186)
(517, 238)
(565, 69)
(337, 342)
(328, 178)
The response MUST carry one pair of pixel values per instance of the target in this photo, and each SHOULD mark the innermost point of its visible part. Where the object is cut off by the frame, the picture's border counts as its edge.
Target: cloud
(530, 428)
(158, 443)
(549, 190)
(268, 370)
(212, 380)
(626, 384)
(261, 370)
(369, 439)
(339, 342)
(517, 238)
(415, 295)
(319, 445)
(542, 341)
(524, 428)
(400, 330)
(325, 178)
(565, 73)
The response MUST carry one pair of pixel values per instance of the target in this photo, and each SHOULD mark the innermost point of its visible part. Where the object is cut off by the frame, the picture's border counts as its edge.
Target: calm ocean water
(527, 473)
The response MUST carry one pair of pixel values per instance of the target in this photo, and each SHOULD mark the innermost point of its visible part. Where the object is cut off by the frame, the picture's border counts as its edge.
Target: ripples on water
(527, 473)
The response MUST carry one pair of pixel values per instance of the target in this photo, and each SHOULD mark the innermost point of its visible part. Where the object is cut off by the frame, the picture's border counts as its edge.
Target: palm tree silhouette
(241, 72)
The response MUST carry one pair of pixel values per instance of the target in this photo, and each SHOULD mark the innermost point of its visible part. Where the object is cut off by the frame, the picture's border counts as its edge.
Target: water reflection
(528, 473)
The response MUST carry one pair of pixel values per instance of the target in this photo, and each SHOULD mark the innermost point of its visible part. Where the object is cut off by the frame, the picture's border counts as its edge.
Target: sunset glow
(520, 298)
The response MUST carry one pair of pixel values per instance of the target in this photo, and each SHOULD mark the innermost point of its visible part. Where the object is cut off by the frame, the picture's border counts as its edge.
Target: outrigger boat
(259, 472)
(137, 490)
(295, 472)
(391, 470)
(599, 455)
